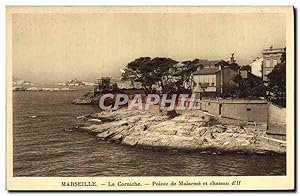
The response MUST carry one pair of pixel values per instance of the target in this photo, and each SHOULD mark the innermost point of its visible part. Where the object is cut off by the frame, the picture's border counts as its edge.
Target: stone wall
(277, 122)
(247, 110)
(259, 111)
(210, 106)
(277, 115)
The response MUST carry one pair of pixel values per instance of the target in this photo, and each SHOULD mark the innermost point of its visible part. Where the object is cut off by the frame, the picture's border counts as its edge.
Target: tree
(161, 69)
(149, 71)
(136, 71)
(251, 86)
(183, 75)
(277, 83)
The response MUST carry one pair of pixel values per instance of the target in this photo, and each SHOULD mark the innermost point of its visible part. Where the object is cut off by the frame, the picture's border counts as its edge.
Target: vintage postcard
(150, 98)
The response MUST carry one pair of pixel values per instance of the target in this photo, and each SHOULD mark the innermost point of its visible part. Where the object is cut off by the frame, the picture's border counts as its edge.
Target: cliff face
(189, 131)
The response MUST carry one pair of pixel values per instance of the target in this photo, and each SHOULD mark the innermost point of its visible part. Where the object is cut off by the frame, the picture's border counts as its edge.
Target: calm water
(43, 148)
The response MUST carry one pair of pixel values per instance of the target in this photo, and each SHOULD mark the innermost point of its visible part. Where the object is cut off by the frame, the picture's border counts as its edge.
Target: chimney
(232, 60)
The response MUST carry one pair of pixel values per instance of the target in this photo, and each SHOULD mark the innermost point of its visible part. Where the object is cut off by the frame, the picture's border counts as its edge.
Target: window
(248, 109)
(268, 63)
(205, 78)
(212, 84)
(210, 80)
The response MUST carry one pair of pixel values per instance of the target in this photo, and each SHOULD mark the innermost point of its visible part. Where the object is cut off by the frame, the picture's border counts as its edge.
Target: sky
(53, 47)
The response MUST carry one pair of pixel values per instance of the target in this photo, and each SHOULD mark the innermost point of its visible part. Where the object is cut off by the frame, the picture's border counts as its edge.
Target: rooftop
(273, 50)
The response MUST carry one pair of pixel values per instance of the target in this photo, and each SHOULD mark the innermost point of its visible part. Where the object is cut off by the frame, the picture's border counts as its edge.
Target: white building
(272, 56)
(210, 81)
(256, 67)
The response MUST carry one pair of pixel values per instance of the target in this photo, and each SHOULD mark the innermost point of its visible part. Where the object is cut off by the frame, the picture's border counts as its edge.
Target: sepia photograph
(150, 98)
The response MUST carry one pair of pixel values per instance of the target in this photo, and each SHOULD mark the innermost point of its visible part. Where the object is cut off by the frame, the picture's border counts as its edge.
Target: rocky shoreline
(86, 99)
(189, 131)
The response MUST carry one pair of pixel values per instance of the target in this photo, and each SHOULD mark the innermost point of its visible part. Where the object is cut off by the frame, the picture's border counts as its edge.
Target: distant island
(22, 82)
(23, 85)
(75, 82)
(21, 88)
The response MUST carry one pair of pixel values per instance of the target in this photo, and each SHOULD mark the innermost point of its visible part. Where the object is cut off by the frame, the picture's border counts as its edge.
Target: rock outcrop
(190, 131)
(87, 99)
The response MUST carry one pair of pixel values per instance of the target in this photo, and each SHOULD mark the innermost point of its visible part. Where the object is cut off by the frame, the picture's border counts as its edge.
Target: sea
(42, 147)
